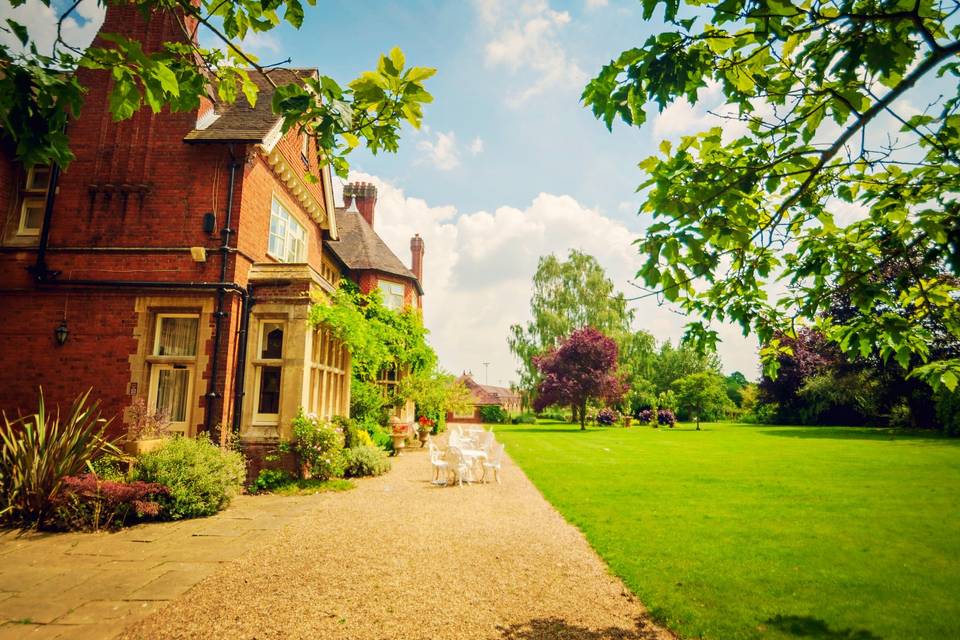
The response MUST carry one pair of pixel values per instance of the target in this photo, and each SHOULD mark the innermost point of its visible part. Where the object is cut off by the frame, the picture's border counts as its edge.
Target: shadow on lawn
(555, 628)
(861, 433)
(817, 629)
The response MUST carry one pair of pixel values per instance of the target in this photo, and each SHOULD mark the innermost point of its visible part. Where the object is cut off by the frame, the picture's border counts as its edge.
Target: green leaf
(396, 57)
(19, 30)
(166, 78)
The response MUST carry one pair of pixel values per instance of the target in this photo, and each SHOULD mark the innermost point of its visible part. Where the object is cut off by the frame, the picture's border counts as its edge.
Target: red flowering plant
(426, 424)
(582, 368)
(88, 503)
(399, 429)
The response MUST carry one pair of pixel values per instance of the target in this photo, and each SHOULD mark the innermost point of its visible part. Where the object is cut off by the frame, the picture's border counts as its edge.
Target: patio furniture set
(470, 452)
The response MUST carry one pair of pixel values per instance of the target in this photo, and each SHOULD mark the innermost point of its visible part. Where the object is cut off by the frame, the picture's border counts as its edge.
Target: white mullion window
(288, 238)
(392, 294)
(268, 372)
(173, 364)
(34, 200)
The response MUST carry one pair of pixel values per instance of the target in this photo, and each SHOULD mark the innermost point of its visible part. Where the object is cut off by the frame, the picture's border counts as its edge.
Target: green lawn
(754, 531)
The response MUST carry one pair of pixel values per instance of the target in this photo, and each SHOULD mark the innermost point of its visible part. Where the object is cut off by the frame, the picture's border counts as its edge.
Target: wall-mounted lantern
(61, 333)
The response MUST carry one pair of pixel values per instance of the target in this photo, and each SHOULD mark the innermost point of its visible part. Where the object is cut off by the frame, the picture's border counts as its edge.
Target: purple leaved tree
(582, 368)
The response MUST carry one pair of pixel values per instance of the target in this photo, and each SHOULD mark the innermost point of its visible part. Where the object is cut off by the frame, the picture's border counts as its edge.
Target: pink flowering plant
(318, 444)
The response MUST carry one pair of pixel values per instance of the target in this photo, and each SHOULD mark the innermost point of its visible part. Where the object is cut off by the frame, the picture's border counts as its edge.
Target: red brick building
(485, 395)
(175, 260)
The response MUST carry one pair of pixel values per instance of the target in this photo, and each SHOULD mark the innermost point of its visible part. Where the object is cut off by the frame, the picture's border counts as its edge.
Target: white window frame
(259, 364)
(152, 397)
(165, 362)
(293, 235)
(32, 196)
(388, 295)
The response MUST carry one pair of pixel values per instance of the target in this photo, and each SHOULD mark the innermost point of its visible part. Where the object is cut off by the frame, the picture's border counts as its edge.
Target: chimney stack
(365, 195)
(347, 195)
(416, 250)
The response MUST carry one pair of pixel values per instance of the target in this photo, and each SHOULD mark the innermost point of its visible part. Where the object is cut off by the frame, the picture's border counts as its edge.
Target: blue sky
(546, 143)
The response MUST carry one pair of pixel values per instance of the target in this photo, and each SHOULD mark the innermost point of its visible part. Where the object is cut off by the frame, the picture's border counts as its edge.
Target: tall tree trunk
(583, 416)
(573, 413)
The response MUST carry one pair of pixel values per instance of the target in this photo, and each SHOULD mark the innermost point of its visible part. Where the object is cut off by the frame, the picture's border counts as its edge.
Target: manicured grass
(754, 531)
(309, 487)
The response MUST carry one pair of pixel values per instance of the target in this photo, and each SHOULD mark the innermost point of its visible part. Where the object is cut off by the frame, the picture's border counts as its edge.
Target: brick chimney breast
(365, 195)
(416, 251)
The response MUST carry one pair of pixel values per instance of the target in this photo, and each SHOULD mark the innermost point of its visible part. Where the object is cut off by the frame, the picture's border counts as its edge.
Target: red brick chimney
(347, 195)
(416, 250)
(365, 195)
(160, 26)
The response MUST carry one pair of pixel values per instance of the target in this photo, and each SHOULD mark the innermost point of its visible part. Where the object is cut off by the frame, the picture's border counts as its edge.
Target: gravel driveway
(398, 557)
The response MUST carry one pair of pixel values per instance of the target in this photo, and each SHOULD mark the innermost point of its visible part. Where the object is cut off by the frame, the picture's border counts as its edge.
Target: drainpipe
(246, 309)
(39, 270)
(219, 313)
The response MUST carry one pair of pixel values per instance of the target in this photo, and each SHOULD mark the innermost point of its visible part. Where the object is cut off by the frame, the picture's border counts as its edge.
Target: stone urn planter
(143, 445)
(423, 434)
(399, 441)
(627, 422)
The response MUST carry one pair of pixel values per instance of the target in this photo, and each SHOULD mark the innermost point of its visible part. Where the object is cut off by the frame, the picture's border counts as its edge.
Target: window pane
(32, 215)
(269, 396)
(272, 345)
(172, 388)
(38, 178)
(177, 337)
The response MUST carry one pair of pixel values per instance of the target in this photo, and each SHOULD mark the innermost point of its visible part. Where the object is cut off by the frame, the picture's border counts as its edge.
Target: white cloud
(41, 23)
(478, 268)
(525, 38)
(596, 4)
(476, 146)
(441, 152)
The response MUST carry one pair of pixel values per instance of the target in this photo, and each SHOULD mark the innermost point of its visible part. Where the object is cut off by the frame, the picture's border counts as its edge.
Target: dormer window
(33, 200)
(288, 238)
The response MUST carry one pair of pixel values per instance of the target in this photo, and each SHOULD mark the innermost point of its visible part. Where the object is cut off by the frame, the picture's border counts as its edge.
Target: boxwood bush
(200, 476)
(365, 461)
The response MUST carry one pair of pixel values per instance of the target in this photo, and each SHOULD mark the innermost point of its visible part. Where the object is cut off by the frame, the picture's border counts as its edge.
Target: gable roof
(239, 122)
(487, 394)
(360, 248)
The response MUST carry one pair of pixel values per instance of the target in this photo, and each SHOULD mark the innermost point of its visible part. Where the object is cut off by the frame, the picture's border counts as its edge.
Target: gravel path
(400, 558)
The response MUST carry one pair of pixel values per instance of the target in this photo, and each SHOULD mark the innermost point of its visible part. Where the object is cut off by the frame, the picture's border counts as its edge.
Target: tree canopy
(817, 195)
(582, 368)
(37, 96)
(567, 295)
(703, 396)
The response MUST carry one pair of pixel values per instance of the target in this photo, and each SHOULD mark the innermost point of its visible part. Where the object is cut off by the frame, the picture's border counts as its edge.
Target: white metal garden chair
(440, 466)
(493, 462)
(457, 465)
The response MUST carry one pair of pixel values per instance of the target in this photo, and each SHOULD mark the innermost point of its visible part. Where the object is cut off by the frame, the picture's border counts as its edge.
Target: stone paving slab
(90, 586)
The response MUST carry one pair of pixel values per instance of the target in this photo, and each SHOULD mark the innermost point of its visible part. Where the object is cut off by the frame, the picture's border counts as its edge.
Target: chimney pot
(365, 196)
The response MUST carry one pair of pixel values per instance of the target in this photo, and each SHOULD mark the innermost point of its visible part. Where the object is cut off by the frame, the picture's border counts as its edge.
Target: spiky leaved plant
(39, 450)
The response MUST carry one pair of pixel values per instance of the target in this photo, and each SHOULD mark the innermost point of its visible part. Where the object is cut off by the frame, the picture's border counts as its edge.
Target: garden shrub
(554, 415)
(948, 411)
(494, 413)
(201, 477)
(365, 461)
(270, 479)
(607, 417)
(524, 418)
(38, 451)
(646, 416)
(318, 445)
(89, 503)
(110, 467)
(666, 418)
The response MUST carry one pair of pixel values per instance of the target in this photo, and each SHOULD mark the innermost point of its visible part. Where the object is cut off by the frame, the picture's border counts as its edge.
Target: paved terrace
(396, 557)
